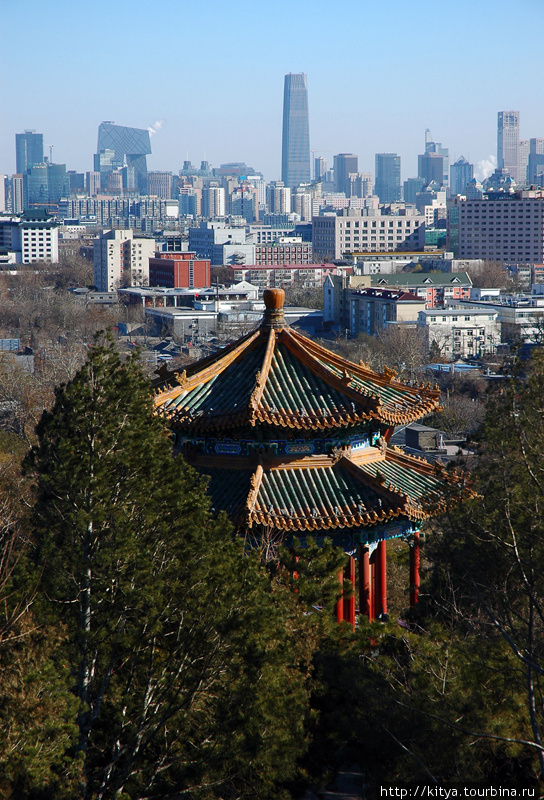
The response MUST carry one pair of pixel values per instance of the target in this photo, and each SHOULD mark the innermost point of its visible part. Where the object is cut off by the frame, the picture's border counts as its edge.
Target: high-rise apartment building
(119, 255)
(121, 147)
(345, 164)
(461, 173)
(295, 158)
(278, 198)
(508, 142)
(387, 185)
(28, 150)
(213, 202)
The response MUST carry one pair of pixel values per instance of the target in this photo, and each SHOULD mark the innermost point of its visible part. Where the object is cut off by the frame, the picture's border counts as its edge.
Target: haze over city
(208, 78)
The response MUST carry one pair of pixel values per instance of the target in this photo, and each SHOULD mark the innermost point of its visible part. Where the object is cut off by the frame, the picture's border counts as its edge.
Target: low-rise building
(461, 331)
(436, 289)
(371, 310)
(308, 276)
(175, 270)
(287, 250)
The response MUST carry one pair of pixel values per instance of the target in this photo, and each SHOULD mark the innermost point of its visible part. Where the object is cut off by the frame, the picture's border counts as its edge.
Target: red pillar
(365, 583)
(349, 602)
(340, 601)
(415, 578)
(380, 602)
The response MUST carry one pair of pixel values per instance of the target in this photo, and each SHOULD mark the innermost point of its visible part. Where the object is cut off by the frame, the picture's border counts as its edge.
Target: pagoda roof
(330, 494)
(275, 376)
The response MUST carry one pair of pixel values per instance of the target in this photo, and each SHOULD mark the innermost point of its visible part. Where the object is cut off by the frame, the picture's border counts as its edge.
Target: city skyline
(220, 109)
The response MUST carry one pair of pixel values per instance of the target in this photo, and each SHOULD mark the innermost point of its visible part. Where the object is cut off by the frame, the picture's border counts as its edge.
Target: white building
(461, 331)
(203, 238)
(119, 254)
(352, 231)
(29, 238)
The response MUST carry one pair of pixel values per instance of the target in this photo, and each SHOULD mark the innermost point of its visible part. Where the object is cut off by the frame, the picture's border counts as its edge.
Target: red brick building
(178, 270)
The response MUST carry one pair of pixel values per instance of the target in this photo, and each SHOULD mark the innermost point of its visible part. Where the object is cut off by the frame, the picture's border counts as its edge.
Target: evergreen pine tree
(178, 651)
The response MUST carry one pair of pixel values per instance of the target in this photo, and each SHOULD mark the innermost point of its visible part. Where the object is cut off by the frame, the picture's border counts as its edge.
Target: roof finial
(273, 315)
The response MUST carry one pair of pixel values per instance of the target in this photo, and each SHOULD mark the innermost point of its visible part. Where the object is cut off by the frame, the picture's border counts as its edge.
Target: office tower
(412, 187)
(361, 184)
(295, 155)
(508, 142)
(436, 147)
(118, 147)
(387, 184)
(3, 193)
(28, 150)
(461, 173)
(510, 231)
(244, 202)
(430, 168)
(535, 168)
(76, 181)
(160, 184)
(45, 184)
(320, 168)
(345, 164)
(523, 160)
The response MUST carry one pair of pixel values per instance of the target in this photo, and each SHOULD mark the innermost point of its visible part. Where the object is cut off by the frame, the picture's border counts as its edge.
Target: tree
(177, 645)
(489, 556)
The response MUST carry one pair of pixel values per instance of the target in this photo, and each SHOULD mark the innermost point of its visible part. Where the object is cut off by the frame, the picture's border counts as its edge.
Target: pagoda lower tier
(354, 496)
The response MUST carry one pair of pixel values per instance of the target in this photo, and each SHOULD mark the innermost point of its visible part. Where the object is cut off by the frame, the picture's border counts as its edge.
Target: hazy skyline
(209, 79)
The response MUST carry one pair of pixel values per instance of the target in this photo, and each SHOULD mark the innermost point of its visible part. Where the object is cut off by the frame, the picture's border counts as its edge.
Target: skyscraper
(508, 142)
(295, 155)
(387, 184)
(461, 173)
(28, 150)
(435, 147)
(345, 164)
(119, 147)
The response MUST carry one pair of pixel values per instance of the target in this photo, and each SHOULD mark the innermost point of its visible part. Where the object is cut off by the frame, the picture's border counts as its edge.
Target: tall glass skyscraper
(28, 150)
(295, 155)
(387, 183)
(119, 147)
(508, 142)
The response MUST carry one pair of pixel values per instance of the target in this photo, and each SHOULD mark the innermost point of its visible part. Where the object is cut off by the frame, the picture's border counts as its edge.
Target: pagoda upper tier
(276, 379)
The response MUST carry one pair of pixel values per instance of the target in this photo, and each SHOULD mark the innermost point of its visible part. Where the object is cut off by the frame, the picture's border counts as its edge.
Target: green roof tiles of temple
(279, 378)
(326, 493)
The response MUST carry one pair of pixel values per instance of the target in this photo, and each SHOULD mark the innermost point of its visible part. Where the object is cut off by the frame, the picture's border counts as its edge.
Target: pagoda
(294, 440)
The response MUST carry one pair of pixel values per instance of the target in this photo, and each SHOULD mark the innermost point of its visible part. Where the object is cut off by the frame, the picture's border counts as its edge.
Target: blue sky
(211, 73)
